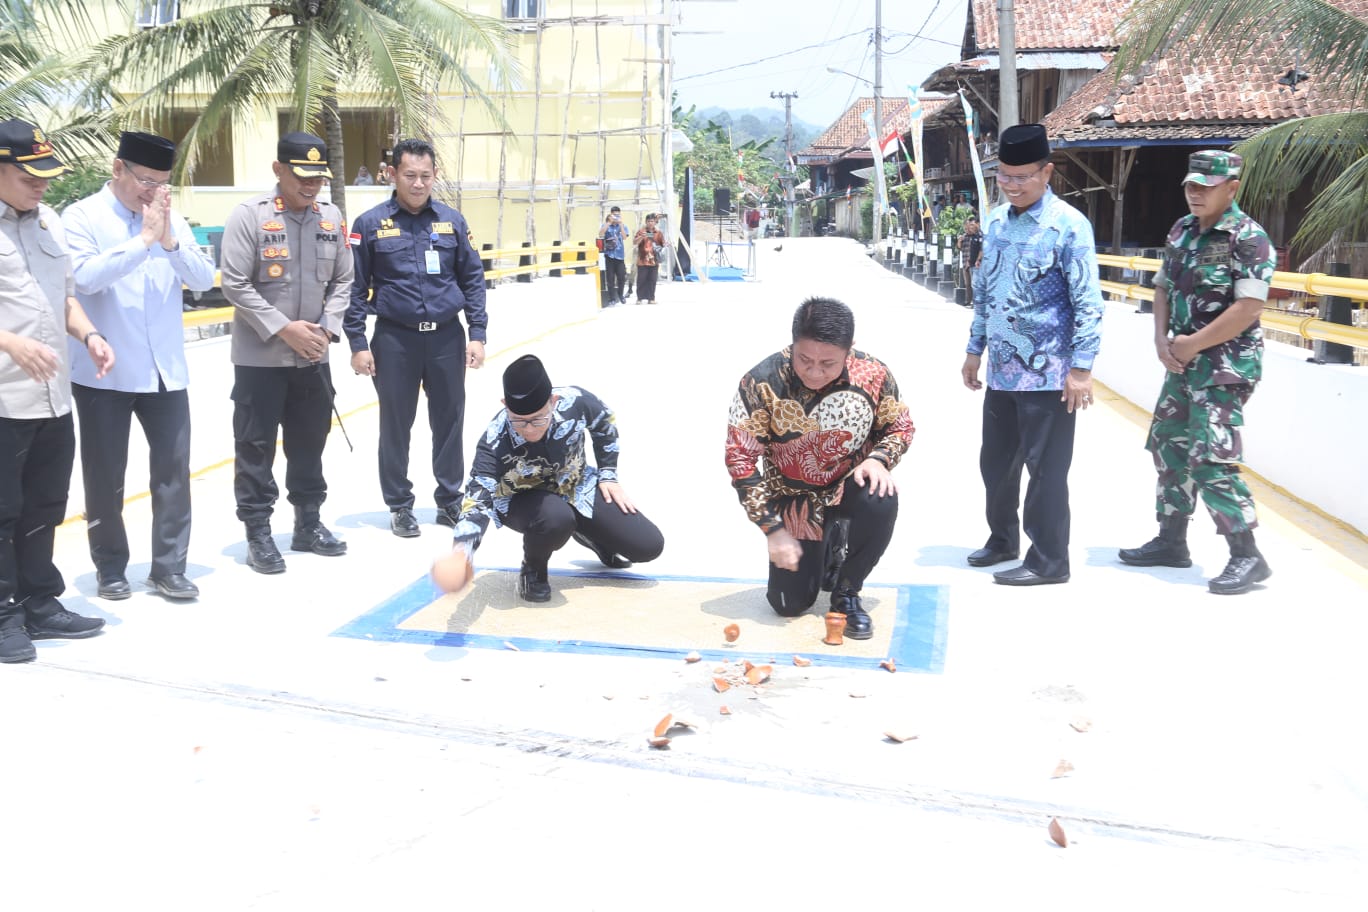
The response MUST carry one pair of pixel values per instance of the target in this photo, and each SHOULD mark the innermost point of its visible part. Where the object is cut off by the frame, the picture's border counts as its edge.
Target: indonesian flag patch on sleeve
(354, 239)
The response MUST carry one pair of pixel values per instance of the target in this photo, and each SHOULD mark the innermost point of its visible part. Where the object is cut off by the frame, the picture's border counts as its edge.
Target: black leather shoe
(403, 523)
(987, 557)
(15, 645)
(608, 558)
(858, 624)
(48, 620)
(1240, 575)
(174, 586)
(1025, 576)
(315, 537)
(446, 516)
(533, 585)
(262, 554)
(114, 588)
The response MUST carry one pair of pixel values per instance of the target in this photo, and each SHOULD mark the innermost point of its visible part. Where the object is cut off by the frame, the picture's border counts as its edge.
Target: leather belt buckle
(426, 327)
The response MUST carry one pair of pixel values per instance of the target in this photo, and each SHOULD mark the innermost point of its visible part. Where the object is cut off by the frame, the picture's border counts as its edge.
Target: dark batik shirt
(790, 449)
(505, 464)
(1204, 273)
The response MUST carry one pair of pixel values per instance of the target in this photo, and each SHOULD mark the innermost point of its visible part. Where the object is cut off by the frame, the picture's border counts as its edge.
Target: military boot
(1245, 567)
(262, 554)
(1168, 549)
(311, 535)
(845, 599)
(533, 585)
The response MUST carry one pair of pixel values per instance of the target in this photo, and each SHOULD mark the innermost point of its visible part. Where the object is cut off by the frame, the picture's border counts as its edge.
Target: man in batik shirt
(1038, 319)
(813, 435)
(1208, 296)
(530, 474)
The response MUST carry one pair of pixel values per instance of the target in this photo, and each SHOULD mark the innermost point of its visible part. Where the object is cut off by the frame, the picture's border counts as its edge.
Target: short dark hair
(418, 148)
(615, 209)
(824, 320)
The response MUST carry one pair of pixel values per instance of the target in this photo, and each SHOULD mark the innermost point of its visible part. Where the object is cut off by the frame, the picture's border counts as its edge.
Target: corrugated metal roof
(1042, 60)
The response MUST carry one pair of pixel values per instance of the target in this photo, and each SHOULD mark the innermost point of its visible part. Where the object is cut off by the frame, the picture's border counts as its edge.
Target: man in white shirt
(131, 254)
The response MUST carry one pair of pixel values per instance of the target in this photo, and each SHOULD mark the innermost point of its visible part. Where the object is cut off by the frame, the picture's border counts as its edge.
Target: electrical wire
(750, 63)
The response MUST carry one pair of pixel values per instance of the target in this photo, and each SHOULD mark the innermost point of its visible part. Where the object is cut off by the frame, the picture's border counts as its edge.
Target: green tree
(241, 54)
(717, 164)
(1329, 150)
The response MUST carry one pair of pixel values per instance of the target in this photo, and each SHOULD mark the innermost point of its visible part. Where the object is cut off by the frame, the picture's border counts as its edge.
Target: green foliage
(717, 163)
(866, 218)
(952, 219)
(85, 178)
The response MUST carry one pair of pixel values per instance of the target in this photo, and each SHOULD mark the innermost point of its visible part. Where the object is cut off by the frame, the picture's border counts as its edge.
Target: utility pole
(789, 175)
(1007, 72)
(878, 115)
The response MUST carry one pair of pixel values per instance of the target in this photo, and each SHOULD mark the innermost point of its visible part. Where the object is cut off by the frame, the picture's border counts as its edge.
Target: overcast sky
(729, 69)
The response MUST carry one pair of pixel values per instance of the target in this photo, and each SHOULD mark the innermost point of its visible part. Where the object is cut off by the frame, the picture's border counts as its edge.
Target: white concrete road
(232, 754)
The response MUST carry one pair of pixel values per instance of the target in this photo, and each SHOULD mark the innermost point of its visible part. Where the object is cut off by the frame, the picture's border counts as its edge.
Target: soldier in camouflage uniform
(1208, 297)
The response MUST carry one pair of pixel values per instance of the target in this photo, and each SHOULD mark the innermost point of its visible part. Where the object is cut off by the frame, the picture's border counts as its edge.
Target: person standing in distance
(971, 248)
(1038, 316)
(614, 236)
(647, 240)
(288, 274)
(37, 437)
(131, 254)
(1208, 296)
(417, 271)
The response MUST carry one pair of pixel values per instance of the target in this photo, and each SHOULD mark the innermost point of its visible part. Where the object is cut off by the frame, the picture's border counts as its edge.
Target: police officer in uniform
(416, 270)
(288, 274)
(1218, 264)
(37, 438)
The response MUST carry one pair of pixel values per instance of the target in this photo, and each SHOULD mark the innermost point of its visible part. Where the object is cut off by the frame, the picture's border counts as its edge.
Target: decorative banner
(915, 109)
(974, 157)
(881, 203)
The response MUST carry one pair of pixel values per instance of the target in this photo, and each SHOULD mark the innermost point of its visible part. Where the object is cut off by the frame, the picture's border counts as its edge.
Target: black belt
(423, 327)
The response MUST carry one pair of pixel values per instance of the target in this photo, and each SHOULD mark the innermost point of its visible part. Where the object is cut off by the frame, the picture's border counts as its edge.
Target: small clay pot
(835, 629)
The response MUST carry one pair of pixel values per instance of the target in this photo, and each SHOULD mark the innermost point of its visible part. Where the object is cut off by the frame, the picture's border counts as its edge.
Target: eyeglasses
(146, 182)
(1016, 180)
(540, 421)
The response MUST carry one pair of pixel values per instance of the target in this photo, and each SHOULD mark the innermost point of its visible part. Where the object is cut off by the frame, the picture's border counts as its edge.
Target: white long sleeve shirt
(132, 293)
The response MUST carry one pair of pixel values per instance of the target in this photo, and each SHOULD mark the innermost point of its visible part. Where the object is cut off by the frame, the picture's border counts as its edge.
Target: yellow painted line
(366, 406)
(1303, 518)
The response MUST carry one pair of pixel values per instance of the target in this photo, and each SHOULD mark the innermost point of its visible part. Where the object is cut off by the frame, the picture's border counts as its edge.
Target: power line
(749, 63)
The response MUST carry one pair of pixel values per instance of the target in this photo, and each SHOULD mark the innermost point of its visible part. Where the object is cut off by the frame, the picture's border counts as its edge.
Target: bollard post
(932, 261)
(487, 264)
(525, 260)
(581, 255)
(555, 258)
(1334, 309)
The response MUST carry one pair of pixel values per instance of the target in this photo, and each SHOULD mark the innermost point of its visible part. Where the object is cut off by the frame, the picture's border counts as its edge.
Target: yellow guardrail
(572, 259)
(1308, 327)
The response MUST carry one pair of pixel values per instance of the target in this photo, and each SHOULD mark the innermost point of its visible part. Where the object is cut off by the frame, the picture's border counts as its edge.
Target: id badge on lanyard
(432, 256)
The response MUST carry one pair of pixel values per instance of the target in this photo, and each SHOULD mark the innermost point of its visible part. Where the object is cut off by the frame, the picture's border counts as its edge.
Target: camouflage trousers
(1195, 441)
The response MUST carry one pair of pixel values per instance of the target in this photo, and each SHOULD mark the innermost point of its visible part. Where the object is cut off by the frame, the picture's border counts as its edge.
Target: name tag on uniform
(387, 232)
(434, 261)
(442, 228)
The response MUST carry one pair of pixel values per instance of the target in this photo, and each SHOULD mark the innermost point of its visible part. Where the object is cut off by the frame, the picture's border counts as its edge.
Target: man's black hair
(824, 320)
(418, 148)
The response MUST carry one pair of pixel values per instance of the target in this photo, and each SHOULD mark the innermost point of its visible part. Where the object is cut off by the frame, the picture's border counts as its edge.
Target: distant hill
(760, 124)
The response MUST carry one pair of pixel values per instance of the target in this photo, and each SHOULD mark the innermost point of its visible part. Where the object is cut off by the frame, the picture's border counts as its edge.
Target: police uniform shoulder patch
(272, 225)
(442, 228)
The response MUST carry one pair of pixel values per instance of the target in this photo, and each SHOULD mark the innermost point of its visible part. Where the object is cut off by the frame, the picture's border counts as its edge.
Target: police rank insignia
(272, 225)
(442, 228)
(275, 270)
(279, 204)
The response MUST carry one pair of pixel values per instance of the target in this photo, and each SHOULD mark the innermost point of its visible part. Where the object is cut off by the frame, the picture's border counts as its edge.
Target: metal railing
(1308, 327)
(577, 260)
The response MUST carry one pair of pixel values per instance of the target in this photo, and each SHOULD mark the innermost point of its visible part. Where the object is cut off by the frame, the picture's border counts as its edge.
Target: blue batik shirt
(1037, 297)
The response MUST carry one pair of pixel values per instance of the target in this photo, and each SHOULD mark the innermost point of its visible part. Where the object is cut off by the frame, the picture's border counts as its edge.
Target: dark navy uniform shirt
(390, 246)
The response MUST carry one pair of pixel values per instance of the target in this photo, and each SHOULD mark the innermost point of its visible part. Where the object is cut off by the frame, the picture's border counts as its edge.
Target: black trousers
(106, 421)
(36, 456)
(616, 270)
(1035, 430)
(869, 520)
(646, 282)
(546, 521)
(406, 359)
(296, 403)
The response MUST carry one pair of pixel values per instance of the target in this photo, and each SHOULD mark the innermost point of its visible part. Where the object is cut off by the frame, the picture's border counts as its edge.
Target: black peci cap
(526, 386)
(148, 150)
(1023, 144)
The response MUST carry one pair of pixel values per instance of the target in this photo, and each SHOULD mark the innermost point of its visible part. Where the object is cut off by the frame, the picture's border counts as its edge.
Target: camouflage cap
(1211, 168)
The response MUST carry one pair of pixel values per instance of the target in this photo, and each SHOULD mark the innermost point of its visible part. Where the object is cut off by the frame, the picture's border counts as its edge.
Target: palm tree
(1329, 37)
(40, 84)
(238, 55)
